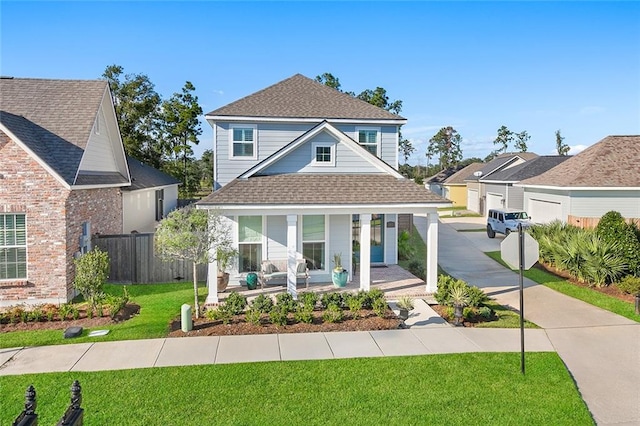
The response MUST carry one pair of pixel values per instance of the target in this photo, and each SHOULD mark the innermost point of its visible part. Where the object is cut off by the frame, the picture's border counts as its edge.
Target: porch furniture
(277, 268)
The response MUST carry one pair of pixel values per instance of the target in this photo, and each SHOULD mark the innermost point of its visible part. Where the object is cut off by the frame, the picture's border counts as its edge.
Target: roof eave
(581, 188)
(233, 118)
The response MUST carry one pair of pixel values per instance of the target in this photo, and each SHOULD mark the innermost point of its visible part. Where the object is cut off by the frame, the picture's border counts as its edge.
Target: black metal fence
(73, 416)
(133, 260)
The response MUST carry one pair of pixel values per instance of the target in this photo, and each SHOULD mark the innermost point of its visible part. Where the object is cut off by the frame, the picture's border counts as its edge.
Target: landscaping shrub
(405, 249)
(355, 305)
(448, 286)
(236, 303)
(304, 314)
(332, 314)
(92, 270)
(278, 315)
(603, 261)
(486, 312)
(376, 294)
(262, 303)
(329, 299)
(64, 311)
(286, 302)
(613, 229)
(379, 307)
(630, 285)
(476, 296)
(416, 268)
(308, 299)
(252, 315)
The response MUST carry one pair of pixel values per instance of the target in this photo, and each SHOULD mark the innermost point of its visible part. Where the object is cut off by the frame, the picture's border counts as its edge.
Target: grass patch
(420, 253)
(591, 296)
(473, 230)
(160, 303)
(506, 318)
(458, 389)
(456, 208)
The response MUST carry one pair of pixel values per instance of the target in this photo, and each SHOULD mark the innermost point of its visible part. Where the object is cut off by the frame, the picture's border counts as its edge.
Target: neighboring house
(477, 190)
(151, 196)
(604, 177)
(435, 183)
(62, 166)
(454, 187)
(500, 191)
(306, 171)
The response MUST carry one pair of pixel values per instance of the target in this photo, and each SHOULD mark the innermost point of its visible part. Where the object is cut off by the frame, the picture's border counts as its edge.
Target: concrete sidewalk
(600, 349)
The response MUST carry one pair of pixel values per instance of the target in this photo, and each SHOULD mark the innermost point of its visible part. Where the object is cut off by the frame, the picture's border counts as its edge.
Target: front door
(377, 237)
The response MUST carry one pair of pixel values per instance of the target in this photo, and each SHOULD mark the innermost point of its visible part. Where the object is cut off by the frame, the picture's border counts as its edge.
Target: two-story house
(303, 171)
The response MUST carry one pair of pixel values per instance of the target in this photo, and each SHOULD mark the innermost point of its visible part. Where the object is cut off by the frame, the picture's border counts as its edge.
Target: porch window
(249, 243)
(313, 241)
(369, 139)
(13, 246)
(243, 141)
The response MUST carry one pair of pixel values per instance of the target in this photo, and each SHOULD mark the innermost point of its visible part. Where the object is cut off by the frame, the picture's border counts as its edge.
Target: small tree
(191, 234)
(561, 147)
(92, 270)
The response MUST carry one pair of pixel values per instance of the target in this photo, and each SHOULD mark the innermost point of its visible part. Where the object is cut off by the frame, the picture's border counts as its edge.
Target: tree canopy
(507, 137)
(446, 144)
(561, 147)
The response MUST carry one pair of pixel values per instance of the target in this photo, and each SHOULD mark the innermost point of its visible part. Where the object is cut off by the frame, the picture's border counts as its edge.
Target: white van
(504, 221)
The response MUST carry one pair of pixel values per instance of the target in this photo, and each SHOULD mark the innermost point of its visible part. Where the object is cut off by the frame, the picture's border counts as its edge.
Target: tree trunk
(195, 289)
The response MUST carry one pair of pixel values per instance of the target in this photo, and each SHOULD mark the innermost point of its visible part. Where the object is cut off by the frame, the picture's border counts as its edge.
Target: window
(13, 246)
(85, 238)
(249, 243)
(368, 138)
(323, 154)
(313, 241)
(243, 141)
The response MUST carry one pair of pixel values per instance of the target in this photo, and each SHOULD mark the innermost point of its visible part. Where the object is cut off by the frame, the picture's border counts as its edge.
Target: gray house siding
(597, 203)
(515, 197)
(339, 242)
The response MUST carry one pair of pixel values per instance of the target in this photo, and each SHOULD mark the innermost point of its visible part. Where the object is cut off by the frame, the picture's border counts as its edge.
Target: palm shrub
(405, 249)
(603, 262)
(612, 228)
(569, 254)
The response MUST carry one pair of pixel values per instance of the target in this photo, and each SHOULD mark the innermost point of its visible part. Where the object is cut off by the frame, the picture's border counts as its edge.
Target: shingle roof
(528, 169)
(144, 176)
(302, 97)
(500, 162)
(320, 189)
(459, 176)
(53, 118)
(443, 175)
(612, 162)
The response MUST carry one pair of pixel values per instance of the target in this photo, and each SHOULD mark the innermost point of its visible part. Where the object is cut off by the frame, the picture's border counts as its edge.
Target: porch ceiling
(325, 192)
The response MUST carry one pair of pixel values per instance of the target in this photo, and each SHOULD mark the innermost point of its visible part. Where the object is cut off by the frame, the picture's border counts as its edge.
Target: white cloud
(576, 149)
(218, 92)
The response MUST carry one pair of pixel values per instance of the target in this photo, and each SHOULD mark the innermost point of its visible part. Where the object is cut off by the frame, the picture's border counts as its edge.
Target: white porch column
(432, 252)
(212, 283)
(292, 253)
(365, 252)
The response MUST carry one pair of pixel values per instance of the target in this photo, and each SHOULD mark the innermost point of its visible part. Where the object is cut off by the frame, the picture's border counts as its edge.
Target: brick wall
(54, 218)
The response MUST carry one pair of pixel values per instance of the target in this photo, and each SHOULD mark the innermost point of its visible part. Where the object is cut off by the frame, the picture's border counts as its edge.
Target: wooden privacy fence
(592, 222)
(132, 260)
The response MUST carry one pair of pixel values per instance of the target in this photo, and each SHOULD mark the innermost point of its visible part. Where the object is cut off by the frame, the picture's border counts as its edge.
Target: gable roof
(324, 126)
(527, 169)
(458, 177)
(53, 119)
(444, 174)
(614, 162)
(299, 97)
(499, 163)
(144, 176)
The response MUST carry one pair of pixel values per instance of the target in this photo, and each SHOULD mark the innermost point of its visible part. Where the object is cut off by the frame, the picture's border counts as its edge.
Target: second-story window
(243, 141)
(369, 138)
(323, 154)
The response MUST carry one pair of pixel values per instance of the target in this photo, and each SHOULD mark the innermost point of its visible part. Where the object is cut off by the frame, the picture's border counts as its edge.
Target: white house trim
(581, 188)
(215, 118)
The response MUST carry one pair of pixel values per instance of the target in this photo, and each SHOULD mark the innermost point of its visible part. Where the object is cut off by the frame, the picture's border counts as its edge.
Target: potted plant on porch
(339, 275)
(224, 257)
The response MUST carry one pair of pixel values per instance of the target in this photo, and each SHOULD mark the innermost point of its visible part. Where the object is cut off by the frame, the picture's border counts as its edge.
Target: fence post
(74, 414)
(28, 417)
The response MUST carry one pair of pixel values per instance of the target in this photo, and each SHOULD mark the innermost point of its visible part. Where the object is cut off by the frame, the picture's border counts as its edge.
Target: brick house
(62, 167)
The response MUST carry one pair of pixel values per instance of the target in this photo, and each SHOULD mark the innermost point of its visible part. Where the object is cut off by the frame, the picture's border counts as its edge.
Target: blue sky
(534, 66)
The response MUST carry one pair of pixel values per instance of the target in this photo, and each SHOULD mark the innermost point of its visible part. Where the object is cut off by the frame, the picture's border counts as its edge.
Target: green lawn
(593, 297)
(506, 318)
(460, 389)
(160, 303)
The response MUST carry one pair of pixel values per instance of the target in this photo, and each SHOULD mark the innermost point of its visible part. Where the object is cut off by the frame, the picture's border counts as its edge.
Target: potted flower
(405, 304)
(224, 257)
(339, 275)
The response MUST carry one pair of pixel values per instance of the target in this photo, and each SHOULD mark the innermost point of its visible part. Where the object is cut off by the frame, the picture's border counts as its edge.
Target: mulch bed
(367, 321)
(130, 310)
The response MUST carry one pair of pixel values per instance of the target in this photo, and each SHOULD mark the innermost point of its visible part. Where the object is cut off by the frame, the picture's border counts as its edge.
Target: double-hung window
(13, 246)
(249, 243)
(369, 138)
(313, 241)
(243, 141)
(323, 154)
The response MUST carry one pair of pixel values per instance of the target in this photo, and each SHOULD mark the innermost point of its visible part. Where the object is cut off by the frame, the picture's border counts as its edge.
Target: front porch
(393, 280)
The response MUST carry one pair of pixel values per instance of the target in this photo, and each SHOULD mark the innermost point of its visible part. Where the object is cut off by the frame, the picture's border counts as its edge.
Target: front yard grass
(457, 389)
(160, 303)
(593, 297)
